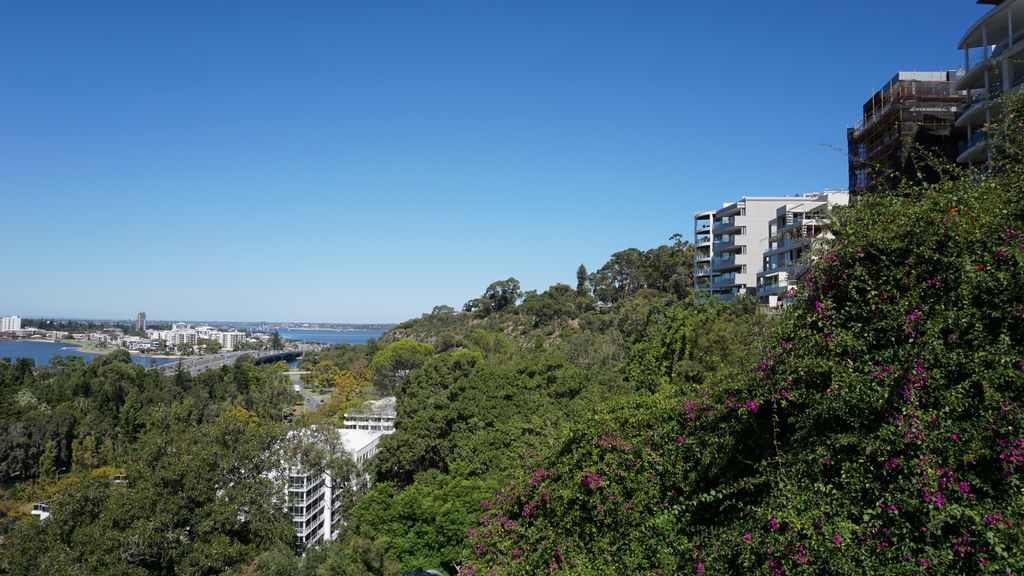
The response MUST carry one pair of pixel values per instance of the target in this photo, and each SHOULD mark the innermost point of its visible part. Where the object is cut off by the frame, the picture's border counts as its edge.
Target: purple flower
(774, 523)
(747, 538)
(837, 540)
(591, 480)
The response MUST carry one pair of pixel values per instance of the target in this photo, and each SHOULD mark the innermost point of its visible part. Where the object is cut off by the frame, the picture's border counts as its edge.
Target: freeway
(196, 364)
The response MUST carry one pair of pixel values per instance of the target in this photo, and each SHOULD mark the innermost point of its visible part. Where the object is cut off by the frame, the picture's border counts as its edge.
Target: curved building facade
(994, 66)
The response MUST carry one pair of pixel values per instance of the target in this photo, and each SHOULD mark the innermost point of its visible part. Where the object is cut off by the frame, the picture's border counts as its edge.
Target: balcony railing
(976, 139)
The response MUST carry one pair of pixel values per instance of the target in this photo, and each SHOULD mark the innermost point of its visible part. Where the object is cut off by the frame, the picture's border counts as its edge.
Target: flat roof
(356, 440)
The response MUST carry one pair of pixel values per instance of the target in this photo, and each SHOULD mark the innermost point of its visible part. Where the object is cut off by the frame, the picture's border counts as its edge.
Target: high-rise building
(994, 65)
(797, 227)
(913, 111)
(10, 323)
(140, 321)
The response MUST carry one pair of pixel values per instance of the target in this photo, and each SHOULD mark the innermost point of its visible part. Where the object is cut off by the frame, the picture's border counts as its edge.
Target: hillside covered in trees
(621, 426)
(616, 426)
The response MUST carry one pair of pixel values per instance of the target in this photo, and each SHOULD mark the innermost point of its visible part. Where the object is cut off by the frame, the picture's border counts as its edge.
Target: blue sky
(365, 161)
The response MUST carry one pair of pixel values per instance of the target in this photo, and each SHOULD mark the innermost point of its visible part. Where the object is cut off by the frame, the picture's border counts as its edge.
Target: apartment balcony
(994, 29)
(974, 78)
(974, 150)
(719, 264)
(974, 112)
(726, 225)
(41, 509)
(702, 240)
(724, 281)
(702, 271)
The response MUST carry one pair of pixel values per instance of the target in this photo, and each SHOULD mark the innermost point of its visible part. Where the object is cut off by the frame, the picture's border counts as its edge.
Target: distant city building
(914, 110)
(230, 340)
(183, 334)
(993, 66)
(791, 236)
(140, 322)
(10, 323)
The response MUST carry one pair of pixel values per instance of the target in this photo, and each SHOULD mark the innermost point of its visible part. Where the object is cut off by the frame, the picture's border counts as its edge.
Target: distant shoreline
(89, 349)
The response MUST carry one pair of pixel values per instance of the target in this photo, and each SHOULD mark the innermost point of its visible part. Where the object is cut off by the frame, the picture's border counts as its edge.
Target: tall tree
(582, 281)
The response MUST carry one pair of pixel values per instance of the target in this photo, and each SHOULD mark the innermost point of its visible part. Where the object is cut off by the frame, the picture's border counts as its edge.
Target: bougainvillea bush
(880, 431)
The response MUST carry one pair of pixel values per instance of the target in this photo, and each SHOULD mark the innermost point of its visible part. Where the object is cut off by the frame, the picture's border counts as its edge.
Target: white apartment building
(183, 334)
(993, 66)
(313, 497)
(729, 243)
(797, 226)
(229, 340)
(376, 415)
(10, 323)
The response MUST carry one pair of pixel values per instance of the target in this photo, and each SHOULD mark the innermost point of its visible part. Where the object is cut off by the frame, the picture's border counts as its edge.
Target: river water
(330, 336)
(41, 352)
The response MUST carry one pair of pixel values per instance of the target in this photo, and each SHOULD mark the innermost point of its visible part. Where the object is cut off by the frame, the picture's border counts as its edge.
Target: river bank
(42, 351)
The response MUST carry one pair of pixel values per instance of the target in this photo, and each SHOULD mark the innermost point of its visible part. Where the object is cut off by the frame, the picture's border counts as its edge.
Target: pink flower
(591, 480)
(837, 540)
(913, 316)
(747, 538)
(774, 523)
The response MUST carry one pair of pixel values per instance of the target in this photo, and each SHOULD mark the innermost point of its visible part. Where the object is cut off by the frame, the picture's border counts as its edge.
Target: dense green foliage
(196, 453)
(874, 427)
(878, 430)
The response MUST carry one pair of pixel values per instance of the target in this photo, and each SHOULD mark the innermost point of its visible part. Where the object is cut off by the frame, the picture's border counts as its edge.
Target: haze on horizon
(362, 163)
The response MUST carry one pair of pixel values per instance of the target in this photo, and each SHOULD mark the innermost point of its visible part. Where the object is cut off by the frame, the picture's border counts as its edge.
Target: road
(311, 401)
(196, 364)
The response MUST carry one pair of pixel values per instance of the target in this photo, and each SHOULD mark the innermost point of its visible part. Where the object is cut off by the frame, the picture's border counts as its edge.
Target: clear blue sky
(365, 161)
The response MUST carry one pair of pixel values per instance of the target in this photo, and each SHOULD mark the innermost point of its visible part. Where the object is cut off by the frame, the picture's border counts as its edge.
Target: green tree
(209, 345)
(395, 361)
(48, 462)
(582, 281)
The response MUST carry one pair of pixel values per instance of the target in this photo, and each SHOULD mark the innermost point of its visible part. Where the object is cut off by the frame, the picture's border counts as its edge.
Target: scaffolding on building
(913, 111)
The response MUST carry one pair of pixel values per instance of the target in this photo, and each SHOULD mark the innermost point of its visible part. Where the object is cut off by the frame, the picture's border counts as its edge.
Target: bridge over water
(196, 364)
